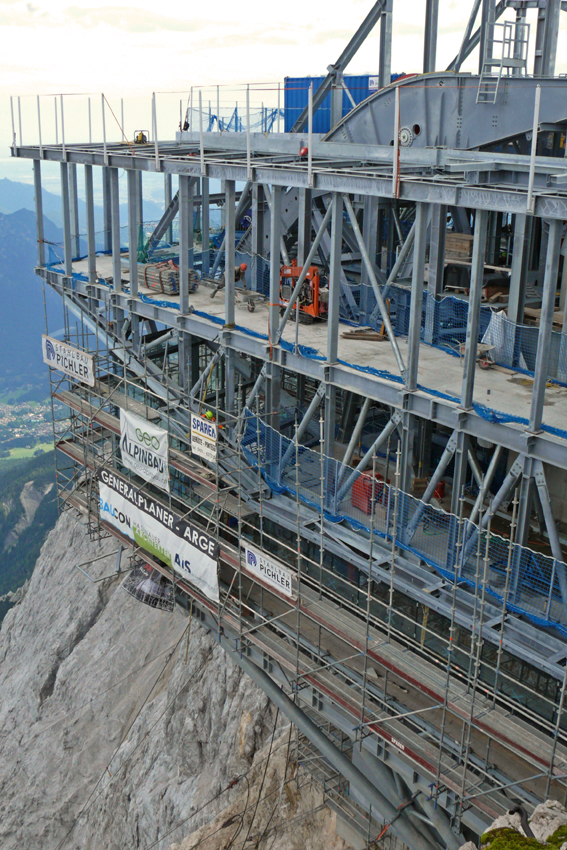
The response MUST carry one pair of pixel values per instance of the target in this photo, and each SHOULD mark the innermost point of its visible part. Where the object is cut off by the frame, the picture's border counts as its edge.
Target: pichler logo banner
(144, 449)
(203, 438)
(181, 545)
(66, 358)
(269, 571)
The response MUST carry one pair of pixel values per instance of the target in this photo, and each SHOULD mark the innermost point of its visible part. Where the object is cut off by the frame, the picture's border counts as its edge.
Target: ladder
(510, 39)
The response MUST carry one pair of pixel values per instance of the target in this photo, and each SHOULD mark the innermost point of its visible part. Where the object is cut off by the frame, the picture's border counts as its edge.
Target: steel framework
(416, 499)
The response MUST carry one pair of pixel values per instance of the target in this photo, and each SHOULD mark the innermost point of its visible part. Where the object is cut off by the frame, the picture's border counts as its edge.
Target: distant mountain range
(23, 315)
(16, 196)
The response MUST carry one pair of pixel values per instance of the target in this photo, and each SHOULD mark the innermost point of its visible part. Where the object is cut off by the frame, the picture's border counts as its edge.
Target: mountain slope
(116, 730)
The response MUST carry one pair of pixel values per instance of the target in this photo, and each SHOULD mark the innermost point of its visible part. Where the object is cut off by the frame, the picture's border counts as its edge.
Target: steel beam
(458, 61)
(400, 826)
(356, 432)
(375, 447)
(205, 225)
(432, 485)
(546, 38)
(304, 224)
(309, 413)
(556, 549)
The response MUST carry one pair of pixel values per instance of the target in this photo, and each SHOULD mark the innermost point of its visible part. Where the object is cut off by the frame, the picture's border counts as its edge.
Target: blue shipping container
(296, 95)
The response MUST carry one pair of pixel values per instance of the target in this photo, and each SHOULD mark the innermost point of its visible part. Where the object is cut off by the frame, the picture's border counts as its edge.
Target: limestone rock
(111, 728)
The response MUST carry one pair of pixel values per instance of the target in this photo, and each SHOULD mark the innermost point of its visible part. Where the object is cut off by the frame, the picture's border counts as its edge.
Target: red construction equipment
(363, 490)
(313, 298)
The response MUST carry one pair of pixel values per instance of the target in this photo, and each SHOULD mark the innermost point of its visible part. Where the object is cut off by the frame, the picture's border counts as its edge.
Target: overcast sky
(142, 46)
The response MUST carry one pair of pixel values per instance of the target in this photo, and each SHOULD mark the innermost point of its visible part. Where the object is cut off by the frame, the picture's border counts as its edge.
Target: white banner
(182, 546)
(144, 449)
(68, 359)
(203, 438)
(270, 572)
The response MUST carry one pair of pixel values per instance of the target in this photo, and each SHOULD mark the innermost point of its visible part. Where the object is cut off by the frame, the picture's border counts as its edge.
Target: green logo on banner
(144, 437)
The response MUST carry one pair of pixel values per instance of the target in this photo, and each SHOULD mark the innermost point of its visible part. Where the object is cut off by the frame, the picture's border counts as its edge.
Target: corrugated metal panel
(296, 94)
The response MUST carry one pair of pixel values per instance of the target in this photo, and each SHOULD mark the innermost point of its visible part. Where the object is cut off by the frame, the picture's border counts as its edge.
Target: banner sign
(203, 438)
(68, 359)
(144, 449)
(179, 544)
(270, 572)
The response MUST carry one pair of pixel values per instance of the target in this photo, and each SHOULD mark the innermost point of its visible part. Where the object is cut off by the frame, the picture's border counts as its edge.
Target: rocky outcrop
(117, 728)
(31, 497)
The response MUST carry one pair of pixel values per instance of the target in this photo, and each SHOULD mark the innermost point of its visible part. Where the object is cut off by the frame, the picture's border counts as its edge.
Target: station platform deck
(501, 390)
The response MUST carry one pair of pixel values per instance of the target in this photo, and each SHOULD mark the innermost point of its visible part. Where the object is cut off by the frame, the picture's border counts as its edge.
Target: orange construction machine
(313, 298)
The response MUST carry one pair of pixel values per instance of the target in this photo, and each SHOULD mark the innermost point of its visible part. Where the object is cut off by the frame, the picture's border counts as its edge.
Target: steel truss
(423, 701)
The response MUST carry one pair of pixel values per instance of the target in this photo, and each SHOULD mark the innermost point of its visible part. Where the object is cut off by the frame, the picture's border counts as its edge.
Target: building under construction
(348, 459)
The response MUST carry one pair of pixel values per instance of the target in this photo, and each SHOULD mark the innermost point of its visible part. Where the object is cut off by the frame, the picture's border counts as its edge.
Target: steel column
(133, 231)
(167, 198)
(541, 369)
(229, 255)
(115, 228)
(74, 209)
(430, 36)
(67, 243)
(106, 209)
(473, 317)
(304, 224)
(436, 269)
(418, 273)
(385, 55)
(38, 197)
(272, 395)
(205, 226)
(91, 246)
(185, 227)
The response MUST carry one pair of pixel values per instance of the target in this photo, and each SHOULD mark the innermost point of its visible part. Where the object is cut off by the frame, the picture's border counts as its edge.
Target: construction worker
(239, 277)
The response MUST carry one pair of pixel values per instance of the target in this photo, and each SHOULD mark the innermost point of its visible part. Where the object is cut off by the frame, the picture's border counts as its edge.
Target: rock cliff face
(116, 731)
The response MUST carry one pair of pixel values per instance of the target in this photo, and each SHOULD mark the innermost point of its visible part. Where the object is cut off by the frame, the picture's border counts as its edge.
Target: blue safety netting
(444, 325)
(526, 582)
(262, 120)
